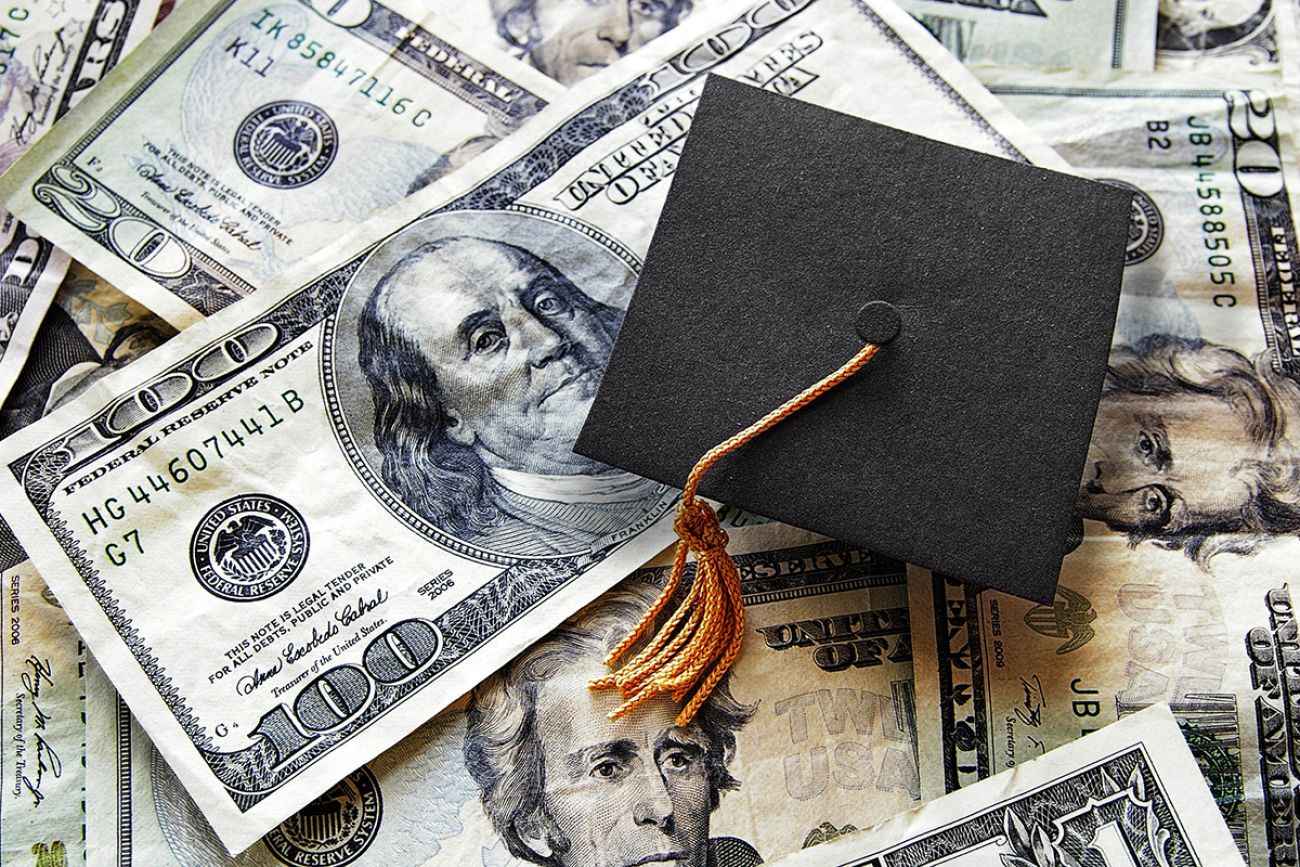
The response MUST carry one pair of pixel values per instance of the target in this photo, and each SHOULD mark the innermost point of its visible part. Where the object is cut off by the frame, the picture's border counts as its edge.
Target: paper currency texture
(42, 748)
(89, 331)
(1189, 498)
(1129, 795)
(1238, 36)
(569, 40)
(813, 727)
(1045, 34)
(355, 547)
(1213, 235)
(53, 54)
(245, 136)
(1127, 630)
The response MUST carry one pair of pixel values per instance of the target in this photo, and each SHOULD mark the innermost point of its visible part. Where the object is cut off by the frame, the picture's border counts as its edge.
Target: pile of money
(304, 303)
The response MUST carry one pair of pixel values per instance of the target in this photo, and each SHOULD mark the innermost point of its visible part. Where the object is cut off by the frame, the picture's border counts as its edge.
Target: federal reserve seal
(1146, 227)
(249, 547)
(335, 828)
(286, 144)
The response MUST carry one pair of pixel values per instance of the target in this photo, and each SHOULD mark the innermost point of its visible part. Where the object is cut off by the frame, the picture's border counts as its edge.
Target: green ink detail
(825, 833)
(53, 855)
(1219, 757)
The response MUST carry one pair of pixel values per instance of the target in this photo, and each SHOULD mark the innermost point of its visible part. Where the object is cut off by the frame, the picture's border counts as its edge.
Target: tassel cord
(702, 638)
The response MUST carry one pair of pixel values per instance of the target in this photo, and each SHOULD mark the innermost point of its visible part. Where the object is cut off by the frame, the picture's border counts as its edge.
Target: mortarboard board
(961, 445)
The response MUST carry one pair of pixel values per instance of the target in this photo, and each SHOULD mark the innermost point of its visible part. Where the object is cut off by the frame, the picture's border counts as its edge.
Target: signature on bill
(23, 128)
(1031, 710)
(38, 674)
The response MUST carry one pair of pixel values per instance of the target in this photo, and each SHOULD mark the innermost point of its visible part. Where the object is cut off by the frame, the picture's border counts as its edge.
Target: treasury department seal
(248, 547)
(286, 144)
(335, 828)
(1146, 227)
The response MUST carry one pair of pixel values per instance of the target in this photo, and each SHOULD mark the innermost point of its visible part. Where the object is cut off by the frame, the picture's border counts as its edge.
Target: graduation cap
(793, 238)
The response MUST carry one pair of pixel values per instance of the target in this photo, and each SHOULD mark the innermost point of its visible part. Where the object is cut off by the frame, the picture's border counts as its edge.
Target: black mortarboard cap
(960, 446)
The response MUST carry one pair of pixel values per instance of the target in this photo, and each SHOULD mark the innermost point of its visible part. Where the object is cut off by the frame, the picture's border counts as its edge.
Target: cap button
(878, 322)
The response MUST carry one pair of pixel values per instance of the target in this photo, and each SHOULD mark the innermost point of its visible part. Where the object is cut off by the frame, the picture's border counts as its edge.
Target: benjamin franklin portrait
(569, 40)
(564, 786)
(480, 339)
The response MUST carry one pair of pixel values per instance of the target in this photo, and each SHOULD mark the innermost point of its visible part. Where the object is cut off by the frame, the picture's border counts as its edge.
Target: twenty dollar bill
(1182, 558)
(52, 52)
(246, 135)
(1211, 163)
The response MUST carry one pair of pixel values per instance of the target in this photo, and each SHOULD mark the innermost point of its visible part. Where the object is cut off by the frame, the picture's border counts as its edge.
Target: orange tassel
(701, 640)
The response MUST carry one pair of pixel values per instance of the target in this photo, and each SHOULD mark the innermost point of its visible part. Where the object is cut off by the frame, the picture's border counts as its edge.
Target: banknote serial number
(179, 471)
(326, 59)
(1215, 237)
(1214, 228)
(17, 14)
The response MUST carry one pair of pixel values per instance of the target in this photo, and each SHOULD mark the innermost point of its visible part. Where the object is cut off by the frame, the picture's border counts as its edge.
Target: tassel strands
(701, 639)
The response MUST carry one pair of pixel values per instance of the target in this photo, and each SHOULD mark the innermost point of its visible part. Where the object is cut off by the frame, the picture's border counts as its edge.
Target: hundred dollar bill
(42, 721)
(569, 40)
(52, 52)
(245, 135)
(813, 727)
(1126, 796)
(288, 547)
(1052, 34)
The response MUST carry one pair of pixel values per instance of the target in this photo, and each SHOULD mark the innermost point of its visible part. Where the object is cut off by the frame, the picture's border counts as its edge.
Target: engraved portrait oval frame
(1226, 38)
(600, 266)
